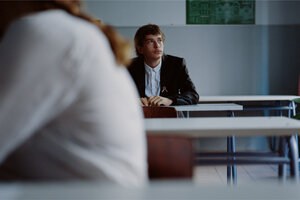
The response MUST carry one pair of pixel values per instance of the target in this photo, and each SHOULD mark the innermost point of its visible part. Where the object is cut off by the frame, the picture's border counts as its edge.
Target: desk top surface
(222, 126)
(210, 107)
(157, 190)
(236, 98)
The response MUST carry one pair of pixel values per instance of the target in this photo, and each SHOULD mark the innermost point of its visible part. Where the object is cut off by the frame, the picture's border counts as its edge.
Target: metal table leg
(233, 149)
(283, 153)
(292, 105)
(229, 145)
(293, 157)
(231, 170)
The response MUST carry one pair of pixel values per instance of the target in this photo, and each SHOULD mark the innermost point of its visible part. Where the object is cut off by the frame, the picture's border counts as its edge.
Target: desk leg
(274, 139)
(283, 153)
(234, 174)
(231, 169)
(187, 114)
(293, 104)
(229, 145)
(183, 114)
(293, 157)
(293, 108)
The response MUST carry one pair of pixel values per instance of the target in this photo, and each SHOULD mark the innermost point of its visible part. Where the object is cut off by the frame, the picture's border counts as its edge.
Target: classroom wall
(172, 12)
(222, 59)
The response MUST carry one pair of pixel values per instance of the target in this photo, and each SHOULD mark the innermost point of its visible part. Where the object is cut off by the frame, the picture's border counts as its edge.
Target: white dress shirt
(60, 111)
(152, 80)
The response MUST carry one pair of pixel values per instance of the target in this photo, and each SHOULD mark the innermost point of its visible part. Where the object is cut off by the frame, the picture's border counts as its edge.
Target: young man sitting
(162, 80)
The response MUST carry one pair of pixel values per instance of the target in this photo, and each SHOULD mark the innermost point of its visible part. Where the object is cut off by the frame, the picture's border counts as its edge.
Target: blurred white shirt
(67, 111)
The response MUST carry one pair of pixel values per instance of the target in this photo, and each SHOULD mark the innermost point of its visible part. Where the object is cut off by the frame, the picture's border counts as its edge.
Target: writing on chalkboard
(220, 12)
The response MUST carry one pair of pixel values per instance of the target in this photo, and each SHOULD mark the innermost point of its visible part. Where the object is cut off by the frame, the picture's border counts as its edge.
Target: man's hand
(159, 101)
(144, 101)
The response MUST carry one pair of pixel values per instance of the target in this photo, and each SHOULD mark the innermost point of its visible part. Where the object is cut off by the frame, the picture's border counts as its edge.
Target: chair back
(159, 112)
(168, 156)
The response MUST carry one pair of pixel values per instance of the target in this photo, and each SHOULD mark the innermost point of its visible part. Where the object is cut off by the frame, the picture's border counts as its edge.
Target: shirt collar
(156, 69)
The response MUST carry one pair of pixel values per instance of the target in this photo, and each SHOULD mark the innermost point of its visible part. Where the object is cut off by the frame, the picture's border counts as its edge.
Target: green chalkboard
(220, 12)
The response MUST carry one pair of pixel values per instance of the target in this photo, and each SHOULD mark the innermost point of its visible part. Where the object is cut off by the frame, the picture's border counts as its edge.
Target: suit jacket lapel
(141, 77)
(163, 74)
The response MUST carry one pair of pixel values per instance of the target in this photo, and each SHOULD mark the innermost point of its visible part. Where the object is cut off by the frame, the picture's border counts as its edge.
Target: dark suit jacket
(175, 82)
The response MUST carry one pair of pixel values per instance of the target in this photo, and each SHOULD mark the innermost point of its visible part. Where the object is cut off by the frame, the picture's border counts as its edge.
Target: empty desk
(238, 126)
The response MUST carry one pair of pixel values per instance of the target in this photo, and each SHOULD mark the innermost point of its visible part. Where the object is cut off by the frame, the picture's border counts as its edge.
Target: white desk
(257, 100)
(278, 103)
(155, 190)
(227, 107)
(210, 107)
(224, 127)
(235, 98)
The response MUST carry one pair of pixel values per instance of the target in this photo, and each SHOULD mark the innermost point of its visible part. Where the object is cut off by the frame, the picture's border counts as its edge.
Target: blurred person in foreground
(161, 79)
(60, 93)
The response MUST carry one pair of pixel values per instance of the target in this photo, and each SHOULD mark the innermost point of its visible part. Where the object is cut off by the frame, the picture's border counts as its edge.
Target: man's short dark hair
(149, 29)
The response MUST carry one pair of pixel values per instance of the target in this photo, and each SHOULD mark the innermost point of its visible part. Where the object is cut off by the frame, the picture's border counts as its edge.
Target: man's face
(153, 47)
